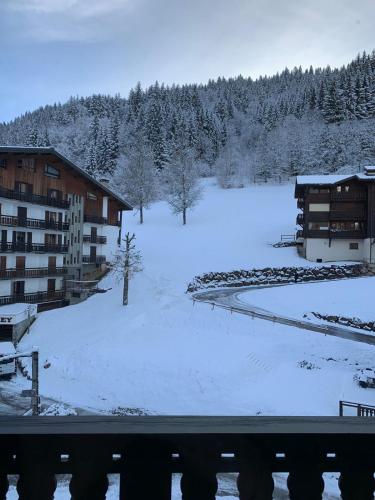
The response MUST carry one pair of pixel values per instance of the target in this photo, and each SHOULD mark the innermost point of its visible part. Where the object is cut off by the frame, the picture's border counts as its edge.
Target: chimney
(370, 171)
(105, 181)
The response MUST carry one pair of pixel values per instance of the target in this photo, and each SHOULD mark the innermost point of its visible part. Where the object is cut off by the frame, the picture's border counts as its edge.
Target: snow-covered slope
(167, 356)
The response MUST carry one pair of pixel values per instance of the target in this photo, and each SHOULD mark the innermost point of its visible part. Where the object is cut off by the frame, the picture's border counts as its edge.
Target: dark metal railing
(95, 219)
(9, 220)
(38, 272)
(301, 203)
(33, 247)
(300, 219)
(361, 410)
(101, 240)
(146, 451)
(88, 259)
(33, 198)
(32, 298)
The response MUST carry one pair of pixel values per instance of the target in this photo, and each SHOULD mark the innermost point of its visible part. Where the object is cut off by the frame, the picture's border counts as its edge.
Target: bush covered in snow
(276, 275)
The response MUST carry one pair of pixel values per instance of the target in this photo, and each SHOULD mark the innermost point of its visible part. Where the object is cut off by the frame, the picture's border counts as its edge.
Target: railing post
(255, 481)
(356, 480)
(200, 463)
(90, 464)
(37, 464)
(146, 472)
(305, 481)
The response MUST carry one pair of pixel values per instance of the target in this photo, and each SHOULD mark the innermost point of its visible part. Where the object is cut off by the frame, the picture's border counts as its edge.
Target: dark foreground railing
(145, 451)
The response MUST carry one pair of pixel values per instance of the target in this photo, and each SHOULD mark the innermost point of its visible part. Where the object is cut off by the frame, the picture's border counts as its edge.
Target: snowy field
(350, 298)
(165, 356)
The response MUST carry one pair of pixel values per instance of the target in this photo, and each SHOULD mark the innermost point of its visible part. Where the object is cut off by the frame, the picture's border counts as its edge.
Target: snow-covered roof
(331, 179)
(52, 151)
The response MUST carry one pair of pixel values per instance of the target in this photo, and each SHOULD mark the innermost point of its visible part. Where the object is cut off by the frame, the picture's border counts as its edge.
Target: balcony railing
(146, 451)
(95, 219)
(301, 203)
(38, 272)
(347, 215)
(339, 234)
(9, 220)
(33, 198)
(100, 240)
(299, 234)
(88, 259)
(32, 298)
(349, 196)
(300, 219)
(33, 247)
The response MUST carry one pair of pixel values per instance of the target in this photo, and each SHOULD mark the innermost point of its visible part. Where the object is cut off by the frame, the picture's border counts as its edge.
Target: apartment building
(56, 221)
(337, 216)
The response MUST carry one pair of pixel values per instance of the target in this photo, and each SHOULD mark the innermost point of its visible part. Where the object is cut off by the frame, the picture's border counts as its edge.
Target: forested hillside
(320, 120)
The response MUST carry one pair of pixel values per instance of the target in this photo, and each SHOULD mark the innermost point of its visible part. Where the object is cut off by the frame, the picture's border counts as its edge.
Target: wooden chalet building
(55, 220)
(337, 216)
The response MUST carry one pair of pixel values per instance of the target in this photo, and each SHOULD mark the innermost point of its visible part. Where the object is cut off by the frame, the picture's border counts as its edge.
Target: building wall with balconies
(31, 285)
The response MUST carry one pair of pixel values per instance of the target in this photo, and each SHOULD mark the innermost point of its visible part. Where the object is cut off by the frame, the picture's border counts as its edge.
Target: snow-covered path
(230, 298)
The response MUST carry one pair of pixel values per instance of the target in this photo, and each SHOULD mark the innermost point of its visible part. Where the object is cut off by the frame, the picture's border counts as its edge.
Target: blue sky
(51, 49)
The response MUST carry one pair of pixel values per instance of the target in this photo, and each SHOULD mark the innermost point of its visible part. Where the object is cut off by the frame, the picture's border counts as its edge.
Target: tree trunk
(184, 216)
(141, 213)
(125, 294)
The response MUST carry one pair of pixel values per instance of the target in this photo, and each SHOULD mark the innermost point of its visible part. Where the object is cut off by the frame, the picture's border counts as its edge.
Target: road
(230, 299)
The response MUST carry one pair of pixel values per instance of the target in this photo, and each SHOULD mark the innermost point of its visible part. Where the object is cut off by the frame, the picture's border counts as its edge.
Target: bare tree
(138, 181)
(128, 261)
(182, 183)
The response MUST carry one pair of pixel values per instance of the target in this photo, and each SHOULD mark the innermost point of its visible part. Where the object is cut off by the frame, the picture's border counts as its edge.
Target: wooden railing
(32, 298)
(349, 196)
(95, 219)
(10, 220)
(101, 240)
(37, 272)
(33, 247)
(99, 259)
(146, 451)
(33, 198)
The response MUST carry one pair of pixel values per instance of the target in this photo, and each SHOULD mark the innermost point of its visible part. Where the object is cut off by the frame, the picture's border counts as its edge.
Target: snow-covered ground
(349, 298)
(167, 356)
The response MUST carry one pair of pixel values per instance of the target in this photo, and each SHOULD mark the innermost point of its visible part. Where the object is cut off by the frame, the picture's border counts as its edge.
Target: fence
(362, 410)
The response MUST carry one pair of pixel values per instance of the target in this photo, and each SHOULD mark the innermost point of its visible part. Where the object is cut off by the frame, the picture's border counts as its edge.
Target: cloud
(65, 20)
(74, 8)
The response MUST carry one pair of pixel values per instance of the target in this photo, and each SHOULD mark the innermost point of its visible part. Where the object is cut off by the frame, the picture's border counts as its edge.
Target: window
(353, 246)
(319, 207)
(3, 163)
(338, 189)
(55, 194)
(51, 171)
(91, 196)
(319, 226)
(23, 187)
(26, 164)
(346, 226)
(346, 189)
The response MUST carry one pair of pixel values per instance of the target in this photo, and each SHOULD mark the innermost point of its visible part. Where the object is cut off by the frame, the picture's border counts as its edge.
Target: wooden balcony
(33, 198)
(146, 451)
(301, 203)
(9, 220)
(32, 298)
(100, 240)
(88, 259)
(33, 247)
(349, 196)
(352, 235)
(95, 219)
(300, 219)
(355, 215)
(38, 272)
(299, 234)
